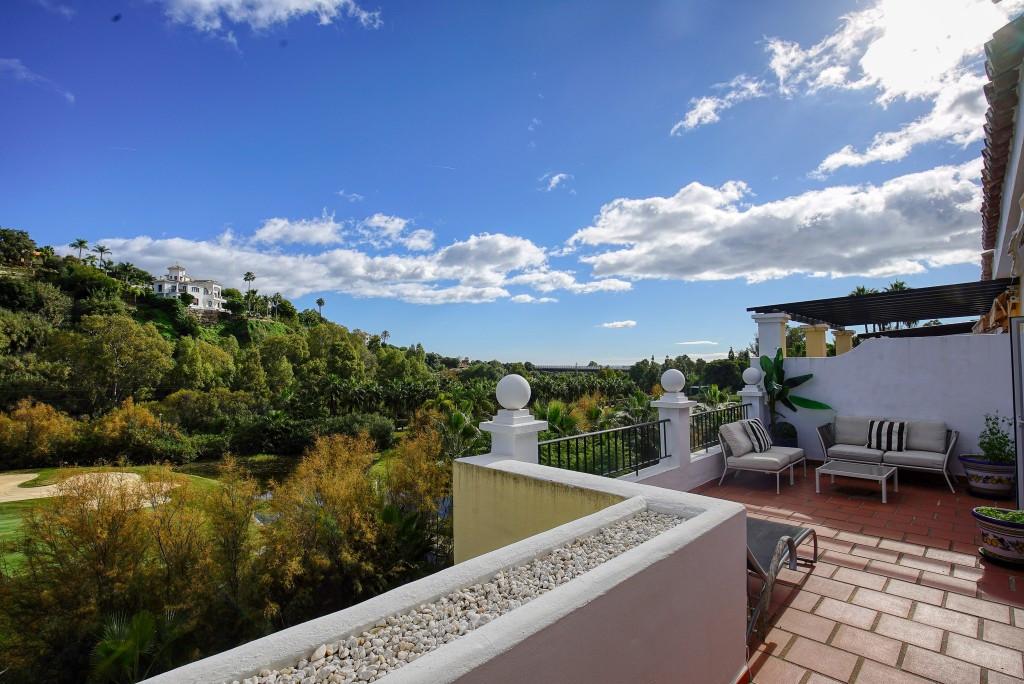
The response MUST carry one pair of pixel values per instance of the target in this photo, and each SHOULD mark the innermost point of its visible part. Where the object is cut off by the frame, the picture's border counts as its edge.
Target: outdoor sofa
(929, 445)
(738, 454)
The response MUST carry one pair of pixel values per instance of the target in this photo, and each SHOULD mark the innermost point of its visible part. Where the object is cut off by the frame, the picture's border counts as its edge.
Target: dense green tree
(249, 373)
(112, 357)
(16, 247)
(201, 365)
(725, 373)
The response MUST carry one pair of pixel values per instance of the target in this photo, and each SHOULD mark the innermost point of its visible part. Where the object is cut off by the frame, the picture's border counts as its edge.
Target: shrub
(273, 433)
(210, 446)
(380, 428)
(34, 433)
(217, 410)
(134, 433)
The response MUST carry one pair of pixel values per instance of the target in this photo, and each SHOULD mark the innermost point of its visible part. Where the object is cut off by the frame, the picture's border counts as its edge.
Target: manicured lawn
(11, 514)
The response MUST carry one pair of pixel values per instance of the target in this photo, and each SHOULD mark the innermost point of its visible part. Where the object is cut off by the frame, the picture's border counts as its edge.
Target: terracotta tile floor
(899, 593)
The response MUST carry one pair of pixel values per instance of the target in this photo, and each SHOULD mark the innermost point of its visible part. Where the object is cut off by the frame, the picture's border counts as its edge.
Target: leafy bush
(994, 441)
(35, 434)
(380, 428)
(274, 433)
(134, 433)
(1003, 514)
(210, 446)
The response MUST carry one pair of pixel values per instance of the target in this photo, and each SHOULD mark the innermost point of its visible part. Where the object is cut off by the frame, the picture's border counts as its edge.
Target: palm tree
(384, 335)
(248, 278)
(320, 306)
(80, 244)
(900, 286)
(860, 291)
(102, 250)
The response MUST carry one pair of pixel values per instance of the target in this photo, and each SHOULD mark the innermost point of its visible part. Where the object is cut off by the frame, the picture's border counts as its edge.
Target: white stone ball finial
(752, 375)
(513, 392)
(673, 380)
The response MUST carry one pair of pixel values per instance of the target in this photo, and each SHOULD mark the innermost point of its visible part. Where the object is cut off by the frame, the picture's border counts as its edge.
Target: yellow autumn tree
(320, 552)
(34, 433)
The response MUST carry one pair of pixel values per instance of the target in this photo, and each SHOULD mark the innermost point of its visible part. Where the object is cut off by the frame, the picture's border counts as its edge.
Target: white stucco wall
(955, 379)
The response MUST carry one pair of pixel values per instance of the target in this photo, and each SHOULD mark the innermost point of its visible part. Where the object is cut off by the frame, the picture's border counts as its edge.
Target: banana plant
(777, 388)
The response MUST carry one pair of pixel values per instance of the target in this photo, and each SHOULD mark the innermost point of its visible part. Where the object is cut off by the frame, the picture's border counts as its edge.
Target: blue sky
(500, 180)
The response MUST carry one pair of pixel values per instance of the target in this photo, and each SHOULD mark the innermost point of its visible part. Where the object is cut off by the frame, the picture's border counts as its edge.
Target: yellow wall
(493, 508)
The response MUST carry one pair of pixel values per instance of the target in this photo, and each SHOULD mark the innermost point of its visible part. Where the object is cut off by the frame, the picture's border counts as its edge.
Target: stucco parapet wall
(459, 657)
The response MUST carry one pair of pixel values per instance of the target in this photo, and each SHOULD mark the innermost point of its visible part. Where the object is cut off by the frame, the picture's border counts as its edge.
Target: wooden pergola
(920, 304)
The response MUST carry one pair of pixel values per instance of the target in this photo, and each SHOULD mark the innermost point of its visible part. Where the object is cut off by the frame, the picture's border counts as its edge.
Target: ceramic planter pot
(987, 479)
(1000, 539)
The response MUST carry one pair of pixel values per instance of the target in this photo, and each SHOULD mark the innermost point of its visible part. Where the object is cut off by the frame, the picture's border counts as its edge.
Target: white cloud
(530, 299)
(700, 342)
(705, 110)
(419, 240)
(905, 225)
(898, 49)
(480, 268)
(212, 15)
(318, 231)
(957, 115)
(553, 181)
(618, 325)
(382, 231)
(534, 124)
(350, 196)
(19, 72)
(549, 280)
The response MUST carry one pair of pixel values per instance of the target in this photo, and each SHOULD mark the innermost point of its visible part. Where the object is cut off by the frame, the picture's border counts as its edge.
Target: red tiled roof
(1004, 54)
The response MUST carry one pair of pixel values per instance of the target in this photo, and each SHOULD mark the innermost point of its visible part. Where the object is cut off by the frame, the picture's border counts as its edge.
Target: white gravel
(401, 639)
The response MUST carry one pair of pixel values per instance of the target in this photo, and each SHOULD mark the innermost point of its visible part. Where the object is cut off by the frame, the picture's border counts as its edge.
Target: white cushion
(774, 459)
(852, 430)
(736, 439)
(919, 459)
(855, 452)
(926, 435)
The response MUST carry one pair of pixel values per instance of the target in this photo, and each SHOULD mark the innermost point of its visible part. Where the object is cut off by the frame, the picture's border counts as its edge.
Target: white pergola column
(514, 430)
(674, 406)
(771, 333)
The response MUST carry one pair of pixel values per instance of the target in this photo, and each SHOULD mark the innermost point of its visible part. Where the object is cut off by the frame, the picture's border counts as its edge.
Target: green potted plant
(993, 472)
(777, 391)
(1002, 533)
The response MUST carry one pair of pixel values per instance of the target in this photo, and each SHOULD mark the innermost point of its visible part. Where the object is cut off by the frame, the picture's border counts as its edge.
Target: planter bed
(400, 639)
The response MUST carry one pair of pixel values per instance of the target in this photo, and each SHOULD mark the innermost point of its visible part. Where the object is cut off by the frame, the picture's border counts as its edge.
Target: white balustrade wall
(955, 379)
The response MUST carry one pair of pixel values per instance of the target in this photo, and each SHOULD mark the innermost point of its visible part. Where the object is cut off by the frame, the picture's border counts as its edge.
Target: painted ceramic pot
(987, 479)
(1001, 539)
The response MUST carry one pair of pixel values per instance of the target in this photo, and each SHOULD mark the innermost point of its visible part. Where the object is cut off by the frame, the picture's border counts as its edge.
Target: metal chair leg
(722, 479)
(777, 490)
(805, 467)
(949, 482)
(791, 475)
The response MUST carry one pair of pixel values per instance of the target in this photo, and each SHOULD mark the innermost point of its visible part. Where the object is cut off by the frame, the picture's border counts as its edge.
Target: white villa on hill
(206, 293)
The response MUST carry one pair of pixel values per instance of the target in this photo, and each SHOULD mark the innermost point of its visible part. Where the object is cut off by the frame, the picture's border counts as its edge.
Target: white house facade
(206, 294)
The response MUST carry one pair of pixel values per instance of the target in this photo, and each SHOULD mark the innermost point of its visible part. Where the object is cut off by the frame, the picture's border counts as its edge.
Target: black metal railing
(611, 453)
(704, 426)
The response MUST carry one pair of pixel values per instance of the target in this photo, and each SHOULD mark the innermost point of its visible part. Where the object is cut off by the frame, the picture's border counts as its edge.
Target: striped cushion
(887, 435)
(759, 437)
